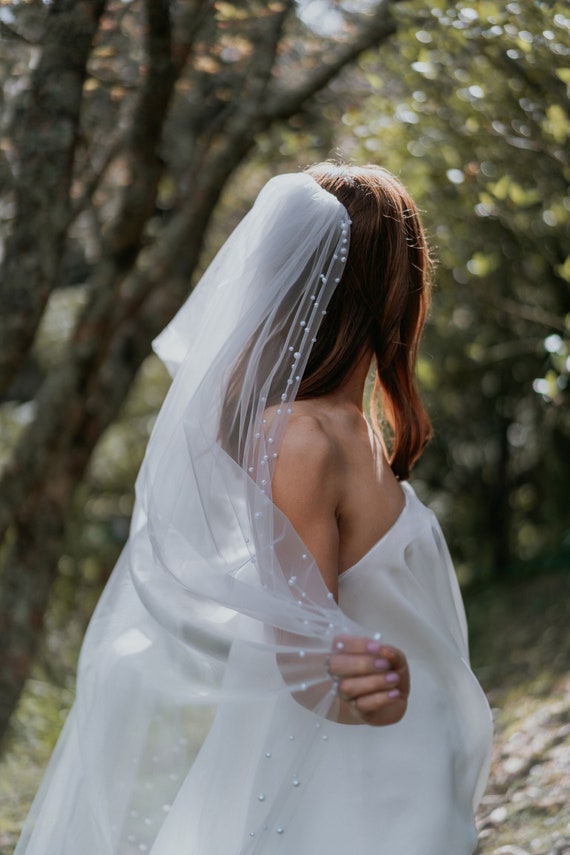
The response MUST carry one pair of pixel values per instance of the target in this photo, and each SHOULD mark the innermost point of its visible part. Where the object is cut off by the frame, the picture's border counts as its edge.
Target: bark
(128, 306)
(45, 134)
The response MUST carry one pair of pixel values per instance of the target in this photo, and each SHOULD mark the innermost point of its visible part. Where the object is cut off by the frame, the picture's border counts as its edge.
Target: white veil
(215, 599)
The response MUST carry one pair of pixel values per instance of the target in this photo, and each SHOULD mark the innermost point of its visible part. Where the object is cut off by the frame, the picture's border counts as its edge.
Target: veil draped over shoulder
(215, 599)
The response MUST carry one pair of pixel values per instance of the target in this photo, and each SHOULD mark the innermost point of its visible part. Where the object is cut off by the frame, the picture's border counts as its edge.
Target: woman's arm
(373, 679)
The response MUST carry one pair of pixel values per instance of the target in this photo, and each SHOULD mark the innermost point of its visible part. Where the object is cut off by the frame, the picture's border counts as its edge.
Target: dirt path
(521, 651)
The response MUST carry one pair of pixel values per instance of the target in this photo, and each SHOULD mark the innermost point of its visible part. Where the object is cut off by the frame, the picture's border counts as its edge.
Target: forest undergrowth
(520, 648)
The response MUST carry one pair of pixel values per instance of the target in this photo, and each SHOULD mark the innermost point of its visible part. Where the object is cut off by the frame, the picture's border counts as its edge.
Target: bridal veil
(215, 599)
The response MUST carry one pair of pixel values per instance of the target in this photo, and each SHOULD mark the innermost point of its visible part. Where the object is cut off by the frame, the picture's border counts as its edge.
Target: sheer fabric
(216, 600)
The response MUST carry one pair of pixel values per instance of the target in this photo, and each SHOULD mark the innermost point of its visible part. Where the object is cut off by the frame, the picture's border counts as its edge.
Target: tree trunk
(45, 135)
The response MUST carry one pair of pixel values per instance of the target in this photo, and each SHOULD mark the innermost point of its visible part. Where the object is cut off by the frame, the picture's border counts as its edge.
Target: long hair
(379, 305)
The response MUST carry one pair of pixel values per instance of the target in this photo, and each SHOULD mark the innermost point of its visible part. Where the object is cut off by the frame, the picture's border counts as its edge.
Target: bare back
(334, 483)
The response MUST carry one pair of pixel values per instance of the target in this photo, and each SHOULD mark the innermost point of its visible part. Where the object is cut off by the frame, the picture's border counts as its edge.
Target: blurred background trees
(134, 135)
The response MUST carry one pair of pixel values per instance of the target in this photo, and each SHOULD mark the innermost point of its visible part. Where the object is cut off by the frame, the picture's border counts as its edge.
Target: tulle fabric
(215, 599)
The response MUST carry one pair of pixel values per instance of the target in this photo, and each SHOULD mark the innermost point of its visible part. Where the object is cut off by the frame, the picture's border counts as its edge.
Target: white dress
(406, 789)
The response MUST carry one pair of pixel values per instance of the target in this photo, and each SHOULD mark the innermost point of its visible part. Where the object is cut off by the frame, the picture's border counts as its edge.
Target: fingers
(358, 656)
(346, 665)
(355, 644)
(356, 687)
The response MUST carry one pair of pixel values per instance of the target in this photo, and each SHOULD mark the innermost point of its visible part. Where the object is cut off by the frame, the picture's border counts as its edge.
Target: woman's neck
(350, 393)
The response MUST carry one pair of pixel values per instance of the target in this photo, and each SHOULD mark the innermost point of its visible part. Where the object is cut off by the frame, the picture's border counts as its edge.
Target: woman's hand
(373, 681)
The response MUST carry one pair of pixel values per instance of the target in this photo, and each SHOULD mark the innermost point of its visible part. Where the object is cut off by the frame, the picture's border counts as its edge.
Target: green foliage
(472, 112)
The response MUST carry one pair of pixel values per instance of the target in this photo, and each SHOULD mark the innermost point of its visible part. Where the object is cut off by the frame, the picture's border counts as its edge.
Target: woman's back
(333, 480)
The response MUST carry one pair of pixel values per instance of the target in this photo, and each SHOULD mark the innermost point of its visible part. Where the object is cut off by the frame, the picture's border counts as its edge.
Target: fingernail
(339, 645)
(391, 678)
(381, 664)
(373, 647)
(394, 693)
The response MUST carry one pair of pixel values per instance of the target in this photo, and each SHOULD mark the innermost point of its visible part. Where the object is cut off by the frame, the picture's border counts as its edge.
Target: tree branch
(375, 30)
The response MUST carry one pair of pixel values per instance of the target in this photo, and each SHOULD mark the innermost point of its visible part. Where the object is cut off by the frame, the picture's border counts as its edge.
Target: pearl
(258, 515)
(263, 421)
(324, 312)
(301, 653)
(279, 830)
(318, 725)
(263, 483)
(303, 687)
(291, 349)
(250, 468)
(165, 808)
(339, 645)
(330, 595)
(298, 377)
(313, 340)
(261, 797)
(291, 737)
(297, 354)
(304, 556)
(257, 435)
(283, 397)
(295, 782)
(252, 833)
(337, 280)
(275, 455)
(292, 580)
(377, 636)
(268, 754)
(279, 410)
(270, 441)
(289, 410)
(303, 323)
(324, 737)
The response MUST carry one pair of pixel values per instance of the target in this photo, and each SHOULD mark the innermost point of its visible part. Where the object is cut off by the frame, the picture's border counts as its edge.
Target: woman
(278, 565)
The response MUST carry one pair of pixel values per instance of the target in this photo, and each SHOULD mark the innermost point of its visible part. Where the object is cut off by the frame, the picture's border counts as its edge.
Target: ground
(520, 644)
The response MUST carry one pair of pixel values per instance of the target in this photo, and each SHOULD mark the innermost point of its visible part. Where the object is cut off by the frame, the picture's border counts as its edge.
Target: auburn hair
(380, 304)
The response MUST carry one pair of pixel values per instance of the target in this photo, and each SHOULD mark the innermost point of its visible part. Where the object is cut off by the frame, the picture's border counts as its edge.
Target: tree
(116, 149)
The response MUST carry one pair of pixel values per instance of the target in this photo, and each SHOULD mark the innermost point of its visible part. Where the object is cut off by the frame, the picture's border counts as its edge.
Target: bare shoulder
(306, 473)
(308, 442)
(306, 488)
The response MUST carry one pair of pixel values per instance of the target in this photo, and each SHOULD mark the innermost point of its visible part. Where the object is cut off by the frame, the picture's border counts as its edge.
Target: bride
(281, 568)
